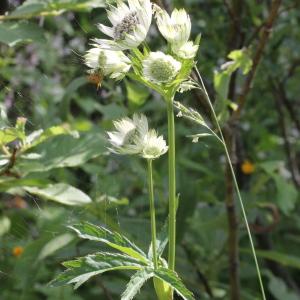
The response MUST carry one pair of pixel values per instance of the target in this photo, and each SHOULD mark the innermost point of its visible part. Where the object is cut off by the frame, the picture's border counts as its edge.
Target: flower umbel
(125, 140)
(114, 64)
(132, 136)
(176, 29)
(130, 25)
(160, 68)
(186, 51)
(153, 145)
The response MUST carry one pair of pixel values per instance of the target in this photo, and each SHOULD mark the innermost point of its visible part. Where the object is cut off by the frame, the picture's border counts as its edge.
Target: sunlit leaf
(62, 193)
(34, 8)
(54, 245)
(174, 281)
(83, 268)
(136, 282)
(115, 240)
(23, 32)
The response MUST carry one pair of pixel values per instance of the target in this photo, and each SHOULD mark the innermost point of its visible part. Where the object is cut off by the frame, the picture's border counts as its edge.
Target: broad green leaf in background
(62, 193)
(287, 194)
(54, 245)
(284, 259)
(137, 94)
(10, 183)
(39, 136)
(115, 240)
(241, 59)
(5, 224)
(279, 289)
(35, 8)
(136, 282)
(12, 33)
(83, 268)
(9, 134)
(65, 151)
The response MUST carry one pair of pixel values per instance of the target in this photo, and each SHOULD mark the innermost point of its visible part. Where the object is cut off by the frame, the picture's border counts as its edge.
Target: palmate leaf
(174, 281)
(83, 268)
(115, 240)
(164, 274)
(136, 282)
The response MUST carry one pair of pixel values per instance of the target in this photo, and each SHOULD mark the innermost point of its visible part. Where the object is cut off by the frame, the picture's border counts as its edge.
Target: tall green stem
(152, 212)
(172, 184)
(235, 184)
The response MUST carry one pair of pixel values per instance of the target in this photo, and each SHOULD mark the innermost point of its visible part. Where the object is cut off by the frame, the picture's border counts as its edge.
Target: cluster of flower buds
(131, 21)
(132, 136)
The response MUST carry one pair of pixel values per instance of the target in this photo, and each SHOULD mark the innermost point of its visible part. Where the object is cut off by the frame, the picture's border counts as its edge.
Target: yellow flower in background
(247, 167)
(17, 251)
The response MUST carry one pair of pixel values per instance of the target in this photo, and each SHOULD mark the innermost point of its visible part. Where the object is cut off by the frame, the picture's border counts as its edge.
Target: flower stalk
(152, 212)
(172, 184)
(235, 183)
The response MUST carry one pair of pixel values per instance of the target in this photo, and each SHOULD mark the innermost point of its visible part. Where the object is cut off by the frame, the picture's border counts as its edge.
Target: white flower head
(186, 51)
(153, 145)
(160, 68)
(126, 139)
(114, 64)
(132, 136)
(176, 29)
(130, 25)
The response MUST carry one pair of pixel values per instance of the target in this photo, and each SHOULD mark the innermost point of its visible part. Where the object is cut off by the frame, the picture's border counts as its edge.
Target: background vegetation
(64, 174)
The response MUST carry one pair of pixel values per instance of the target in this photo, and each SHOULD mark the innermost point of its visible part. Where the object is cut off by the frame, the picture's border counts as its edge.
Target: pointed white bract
(132, 136)
(130, 25)
(160, 68)
(114, 64)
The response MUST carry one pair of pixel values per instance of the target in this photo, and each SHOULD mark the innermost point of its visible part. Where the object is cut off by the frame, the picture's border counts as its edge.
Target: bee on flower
(114, 64)
(132, 136)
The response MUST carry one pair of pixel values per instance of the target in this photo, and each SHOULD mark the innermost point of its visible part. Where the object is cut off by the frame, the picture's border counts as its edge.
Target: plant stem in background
(172, 184)
(235, 183)
(152, 212)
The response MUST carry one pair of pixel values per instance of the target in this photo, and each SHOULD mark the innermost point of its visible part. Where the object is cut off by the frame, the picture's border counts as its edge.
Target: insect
(95, 78)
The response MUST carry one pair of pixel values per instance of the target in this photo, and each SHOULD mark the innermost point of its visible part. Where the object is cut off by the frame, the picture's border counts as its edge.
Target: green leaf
(136, 94)
(279, 289)
(136, 282)
(5, 225)
(284, 259)
(54, 245)
(83, 268)
(61, 193)
(64, 151)
(174, 281)
(35, 8)
(9, 134)
(39, 136)
(242, 59)
(9, 183)
(221, 84)
(115, 240)
(286, 195)
(23, 32)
